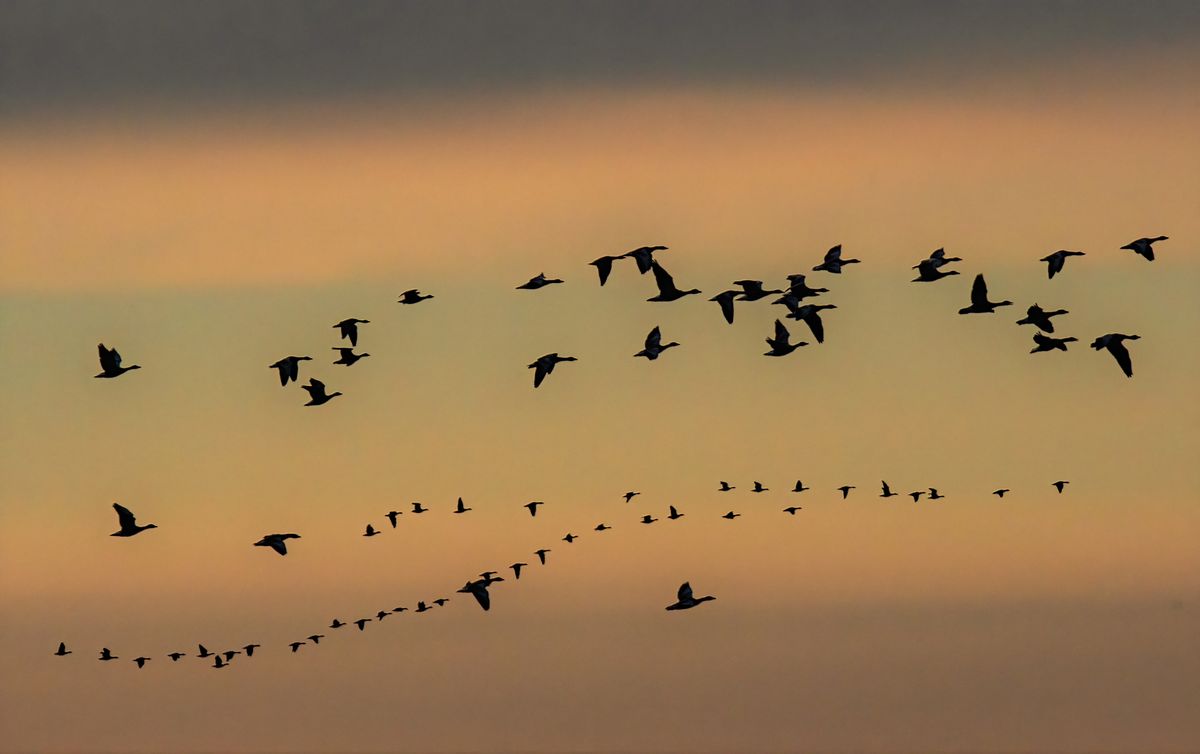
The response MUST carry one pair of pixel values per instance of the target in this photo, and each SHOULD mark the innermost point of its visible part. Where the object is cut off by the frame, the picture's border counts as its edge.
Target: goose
(916, 496)
(887, 491)
(1046, 343)
(62, 650)
(603, 267)
(538, 281)
(1114, 342)
(399, 609)
(937, 258)
(128, 523)
(1001, 492)
(1144, 246)
(1054, 262)
(800, 487)
(979, 299)
(731, 515)
(799, 289)
(106, 655)
(570, 538)
(845, 490)
(249, 649)
(362, 622)
(336, 623)
(418, 509)
(666, 286)
(752, 290)
(413, 296)
(780, 344)
(1040, 318)
(810, 314)
(833, 261)
(631, 495)
(544, 365)
(541, 555)
(276, 542)
(934, 494)
(488, 574)
(218, 663)
(347, 356)
(392, 516)
(370, 532)
(674, 514)
(110, 363)
(176, 655)
(648, 519)
(422, 607)
(316, 392)
(479, 590)
(791, 509)
(533, 506)
(685, 600)
(644, 256)
(315, 638)
(602, 527)
(461, 508)
(654, 345)
(379, 616)
(295, 645)
(725, 300)
(141, 661)
(1059, 485)
(349, 329)
(516, 569)
(289, 368)
(203, 653)
(230, 654)
(441, 601)
(759, 488)
(726, 487)
(930, 271)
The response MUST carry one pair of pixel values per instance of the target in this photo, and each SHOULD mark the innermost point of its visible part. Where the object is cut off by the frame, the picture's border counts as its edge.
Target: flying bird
(934, 494)
(752, 290)
(289, 368)
(654, 345)
(1040, 318)
(141, 661)
(532, 506)
(544, 365)
(602, 527)
(791, 509)
(570, 538)
(799, 289)
(413, 296)
(674, 514)
(759, 488)
(110, 363)
(538, 281)
(937, 258)
(810, 314)
(845, 490)
(781, 344)
(382, 614)
(1144, 246)
(731, 515)
(295, 645)
(62, 650)
(316, 392)
(128, 522)
(176, 655)
(479, 590)
(725, 299)
(800, 487)
(347, 356)
(370, 532)
(1054, 262)
(392, 516)
(249, 649)
(887, 491)
(1046, 343)
(725, 487)
(631, 495)
(461, 508)
(516, 569)
(648, 519)
(218, 663)
(1001, 492)
(685, 600)
(930, 270)
(106, 655)
(541, 555)
(423, 608)
(362, 622)
(230, 653)
(337, 623)
(203, 653)
(644, 256)
(834, 262)
(604, 265)
(1059, 485)
(276, 542)
(441, 601)
(916, 496)
(417, 508)
(1115, 344)
(979, 299)
(666, 285)
(349, 329)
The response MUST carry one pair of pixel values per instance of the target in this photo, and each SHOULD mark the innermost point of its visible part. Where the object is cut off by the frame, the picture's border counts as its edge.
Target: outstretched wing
(726, 303)
(813, 320)
(125, 516)
(685, 592)
(662, 278)
(603, 268)
(979, 290)
(109, 358)
(834, 254)
(315, 387)
(278, 546)
(654, 339)
(540, 370)
(1121, 354)
(781, 332)
(481, 596)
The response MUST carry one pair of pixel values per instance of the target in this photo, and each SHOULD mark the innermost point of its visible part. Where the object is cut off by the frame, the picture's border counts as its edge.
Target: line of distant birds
(929, 270)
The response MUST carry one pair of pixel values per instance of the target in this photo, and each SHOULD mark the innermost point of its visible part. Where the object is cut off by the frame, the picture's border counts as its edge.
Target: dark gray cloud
(56, 54)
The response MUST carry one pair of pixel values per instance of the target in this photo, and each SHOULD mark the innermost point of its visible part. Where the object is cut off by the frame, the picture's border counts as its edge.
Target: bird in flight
(276, 542)
(417, 508)
(533, 506)
(833, 261)
(934, 494)
(479, 590)
(684, 598)
(791, 509)
(347, 356)
(110, 363)
(887, 491)
(1114, 343)
(538, 281)
(781, 344)
(541, 555)
(382, 614)
(726, 487)
(667, 291)
(916, 496)
(570, 538)
(289, 368)
(295, 645)
(370, 532)
(106, 655)
(362, 622)
(176, 655)
(631, 495)
(644, 256)
(602, 527)
(128, 523)
(845, 490)
(516, 569)
(316, 392)
(461, 508)
(349, 329)
(979, 299)
(799, 290)
(648, 519)
(203, 653)
(392, 516)
(544, 365)
(725, 299)
(1059, 485)
(249, 649)
(141, 661)
(336, 623)
(800, 487)
(752, 290)
(930, 270)
(1001, 492)
(1054, 262)
(654, 345)
(674, 514)
(937, 258)
(731, 515)
(1046, 343)
(422, 607)
(62, 650)
(810, 314)
(759, 488)
(1040, 318)
(230, 654)
(604, 265)
(1144, 246)
(413, 296)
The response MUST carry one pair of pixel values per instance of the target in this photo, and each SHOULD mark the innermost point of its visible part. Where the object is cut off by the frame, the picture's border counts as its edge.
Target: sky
(212, 186)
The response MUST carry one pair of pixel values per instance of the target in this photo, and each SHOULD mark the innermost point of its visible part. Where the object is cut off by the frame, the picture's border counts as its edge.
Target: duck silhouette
(110, 363)
(684, 599)
(128, 523)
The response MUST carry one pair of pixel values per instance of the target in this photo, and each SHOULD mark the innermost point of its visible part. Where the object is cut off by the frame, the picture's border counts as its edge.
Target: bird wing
(673, 511)
(886, 490)
(540, 370)
(662, 278)
(1054, 263)
(726, 303)
(278, 546)
(479, 590)
(979, 290)
(834, 254)
(603, 268)
(685, 592)
(781, 332)
(813, 320)
(654, 339)
(927, 268)
(124, 516)
(109, 358)
(1121, 354)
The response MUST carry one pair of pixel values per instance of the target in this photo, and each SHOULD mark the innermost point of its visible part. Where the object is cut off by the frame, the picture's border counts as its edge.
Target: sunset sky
(209, 186)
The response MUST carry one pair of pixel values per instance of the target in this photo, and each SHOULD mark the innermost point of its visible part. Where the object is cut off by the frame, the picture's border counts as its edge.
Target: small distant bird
(845, 490)
(731, 515)
(203, 653)
(810, 314)
(674, 514)
(533, 507)
(759, 488)
(916, 496)
(544, 365)
(887, 491)
(176, 655)
(1059, 485)
(392, 516)
(781, 344)
(413, 296)
(106, 655)
(1046, 343)
(1144, 246)
(370, 532)
(516, 569)
(316, 392)
(461, 508)
(928, 271)
(295, 645)
(979, 299)
(399, 609)
(631, 495)
(834, 262)
(347, 356)
(725, 300)
(648, 519)
(62, 650)
(337, 623)
(726, 487)
(1040, 318)
(488, 574)
(1054, 262)
(218, 663)
(791, 509)
(362, 622)
(644, 256)
(1114, 342)
(799, 290)
(110, 363)
(230, 654)
(315, 638)
(349, 329)
(685, 600)
(276, 542)
(423, 608)
(654, 345)
(541, 555)
(128, 522)
(1000, 493)
(667, 291)
(382, 614)
(479, 590)
(603, 267)
(538, 281)
(570, 538)
(441, 601)
(937, 258)
(417, 508)
(141, 661)
(752, 290)
(249, 649)
(800, 487)
(289, 368)
(934, 494)
(603, 527)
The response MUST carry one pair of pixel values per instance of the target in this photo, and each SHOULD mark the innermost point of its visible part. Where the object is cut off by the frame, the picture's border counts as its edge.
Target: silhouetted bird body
(141, 661)
(731, 515)
(934, 494)
(1054, 262)
(110, 363)
(1040, 318)
(979, 299)
(538, 281)
(316, 392)
(674, 514)
(276, 542)
(349, 329)
(392, 516)
(541, 555)
(725, 300)
(603, 266)
(1001, 492)
(648, 519)
(533, 506)
(203, 653)
(62, 650)
(362, 622)
(631, 495)
(781, 344)
(916, 496)
(106, 655)
(845, 490)
(726, 487)
(833, 261)
(1046, 343)
(800, 487)
(1115, 344)
(413, 296)
(654, 345)
(516, 569)
(887, 491)
(644, 256)
(602, 527)
(289, 368)
(128, 523)
(337, 623)
(1144, 246)
(461, 508)
(930, 270)
(417, 508)
(544, 365)
(1059, 485)
(667, 291)
(791, 509)
(810, 314)
(752, 290)
(347, 356)
(570, 538)
(684, 598)
(370, 532)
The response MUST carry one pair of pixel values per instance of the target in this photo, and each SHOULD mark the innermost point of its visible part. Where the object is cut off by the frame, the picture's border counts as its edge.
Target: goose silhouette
(570, 538)
(336, 623)
(347, 356)
(370, 532)
(203, 653)
(1000, 493)
(648, 519)
(800, 487)
(758, 487)
(348, 328)
(544, 365)
(461, 508)
(316, 392)
(936, 259)
(541, 554)
(731, 515)
(684, 599)
(1144, 247)
(725, 300)
(1054, 262)
(176, 655)
(1046, 343)
(128, 523)
(1040, 318)
(295, 645)
(726, 487)
(533, 506)
(887, 491)
(845, 490)
(516, 569)
(537, 281)
(418, 509)
(674, 514)
(631, 495)
(1059, 485)
(362, 622)
(810, 314)
(289, 368)
(106, 655)
(1114, 343)
(602, 527)
(934, 494)
(979, 299)
(752, 290)
(833, 261)
(141, 661)
(603, 267)
(62, 650)
(644, 256)
(392, 516)
(479, 590)
(412, 296)
(110, 363)
(930, 270)
(654, 345)
(276, 542)
(667, 291)
(781, 344)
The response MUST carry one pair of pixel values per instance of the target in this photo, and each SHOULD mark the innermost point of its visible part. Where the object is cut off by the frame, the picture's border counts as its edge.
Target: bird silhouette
(800, 487)
(392, 516)
(441, 601)
(544, 365)
(604, 265)
(1054, 262)
(295, 645)
(418, 509)
(249, 649)
(674, 514)
(648, 519)
(726, 487)
(654, 345)
(230, 654)
(845, 490)
(1059, 485)
(1046, 343)
(602, 527)
(516, 569)
(110, 363)
(1040, 318)
(379, 616)
(667, 291)
(203, 653)
(289, 368)
(218, 663)
(930, 270)
(336, 623)
(810, 314)
(934, 494)
(644, 256)
(316, 392)
(422, 607)
(128, 523)
(758, 487)
(684, 598)
(799, 289)
(731, 515)
(537, 281)
(141, 661)
(631, 495)
(316, 638)
(106, 655)
(570, 538)
(413, 296)
(370, 532)
(399, 609)
(276, 542)
(541, 555)
(791, 509)
(176, 655)
(362, 622)
(937, 258)
(62, 650)
(780, 344)
(461, 508)
(532, 506)
(479, 590)
(752, 290)
(725, 300)
(916, 496)
(979, 299)
(1001, 492)
(349, 329)
(348, 357)
(887, 491)
(1115, 344)
(1144, 246)
(833, 261)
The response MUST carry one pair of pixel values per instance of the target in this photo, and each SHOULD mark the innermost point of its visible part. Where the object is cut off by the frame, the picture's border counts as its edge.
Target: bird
(631, 495)
(488, 574)
(654, 345)
(204, 652)
(230, 653)
(413, 296)
(1000, 492)
(666, 285)
(316, 392)
(725, 300)
(758, 487)
(128, 522)
(833, 261)
(461, 508)
(674, 514)
(276, 542)
(1144, 246)
(644, 256)
(417, 508)
(541, 555)
(315, 638)
(1114, 342)
(934, 494)
(249, 649)
(887, 491)
(800, 487)
(370, 532)
(479, 590)
(1059, 485)
(349, 329)
(685, 600)
(731, 515)
(979, 299)
(441, 601)
(648, 519)
(110, 363)
(347, 356)
(399, 609)
(422, 607)
(392, 516)
(176, 655)
(799, 289)
(780, 344)
(604, 265)
(602, 527)
(219, 663)
(538, 281)
(62, 650)
(791, 509)
(1046, 343)
(1040, 318)
(532, 506)
(336, 623)
(752, 290)
(382, 614)
(141, 661)
(296, 646)
(845, 490)
(570, 538)
(362, 622)
(1054, 262)
(930, 270)
(289, 368)
(106, 655)
(916, 496)
(810, 314)
(937, 258)
(544, 365)
(516, 569)
(726, 487)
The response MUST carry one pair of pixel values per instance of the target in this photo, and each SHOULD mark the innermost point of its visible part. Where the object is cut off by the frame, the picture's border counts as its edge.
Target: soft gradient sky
(211, 191)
